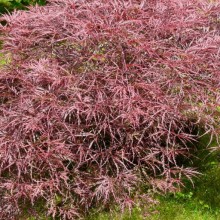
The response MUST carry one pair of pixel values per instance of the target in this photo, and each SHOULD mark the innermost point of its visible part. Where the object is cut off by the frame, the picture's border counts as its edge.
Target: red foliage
(101, 96)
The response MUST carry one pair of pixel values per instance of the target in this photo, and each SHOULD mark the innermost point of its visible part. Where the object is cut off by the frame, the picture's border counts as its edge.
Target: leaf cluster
(102, 98)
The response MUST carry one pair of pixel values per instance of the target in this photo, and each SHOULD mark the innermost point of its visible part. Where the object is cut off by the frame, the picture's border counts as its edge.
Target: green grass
(167, 210)
(190, 210)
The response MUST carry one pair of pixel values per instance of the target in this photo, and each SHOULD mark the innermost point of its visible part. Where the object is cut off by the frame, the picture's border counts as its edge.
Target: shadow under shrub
(101, 97)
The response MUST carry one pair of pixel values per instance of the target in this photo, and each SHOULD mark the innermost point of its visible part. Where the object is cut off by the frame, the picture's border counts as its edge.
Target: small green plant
(183, 196)
(4, 60)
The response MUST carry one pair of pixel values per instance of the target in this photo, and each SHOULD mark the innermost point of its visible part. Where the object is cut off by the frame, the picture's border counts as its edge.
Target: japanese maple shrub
(101, 97)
